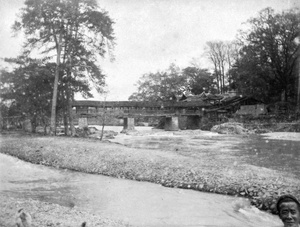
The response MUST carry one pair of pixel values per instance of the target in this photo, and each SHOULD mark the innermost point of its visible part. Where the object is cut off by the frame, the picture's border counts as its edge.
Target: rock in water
(230, 128)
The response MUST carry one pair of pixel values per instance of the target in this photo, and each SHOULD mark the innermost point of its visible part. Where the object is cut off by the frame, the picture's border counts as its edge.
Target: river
(135, 203)
(253, 149)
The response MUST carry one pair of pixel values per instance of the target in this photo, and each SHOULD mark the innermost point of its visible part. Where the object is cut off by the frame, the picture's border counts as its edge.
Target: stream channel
(135, 203)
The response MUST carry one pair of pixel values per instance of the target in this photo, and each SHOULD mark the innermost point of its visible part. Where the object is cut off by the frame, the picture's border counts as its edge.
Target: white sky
(152, 34)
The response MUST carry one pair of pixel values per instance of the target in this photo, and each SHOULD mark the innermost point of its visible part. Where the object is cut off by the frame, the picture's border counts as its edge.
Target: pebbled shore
(48, 214)
(194, 170)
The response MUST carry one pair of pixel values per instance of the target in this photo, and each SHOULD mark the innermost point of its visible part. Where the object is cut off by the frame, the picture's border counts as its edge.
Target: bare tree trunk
(217, 81)
(103, 120)
(55, 88)
(33, 124)
(298, 89)
(64, 109)
(70, 94)
(102, 129)
(217, 76)
(70, 113)
(66, 125)
(70, 99)
(229, 69)
(223, 77)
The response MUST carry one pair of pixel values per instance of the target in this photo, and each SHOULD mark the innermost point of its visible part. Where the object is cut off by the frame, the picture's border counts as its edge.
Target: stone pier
(128, 124)
(171, 124)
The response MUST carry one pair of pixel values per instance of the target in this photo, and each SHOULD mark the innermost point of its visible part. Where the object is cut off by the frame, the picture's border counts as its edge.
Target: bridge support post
(193, 122)
(128, 124)
(171, 124)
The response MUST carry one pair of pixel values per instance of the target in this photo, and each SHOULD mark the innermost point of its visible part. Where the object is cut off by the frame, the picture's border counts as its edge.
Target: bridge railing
(138, 111)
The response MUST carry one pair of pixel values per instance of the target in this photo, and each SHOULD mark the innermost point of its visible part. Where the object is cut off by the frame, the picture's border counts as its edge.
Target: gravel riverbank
(48, 214)
(208, 170)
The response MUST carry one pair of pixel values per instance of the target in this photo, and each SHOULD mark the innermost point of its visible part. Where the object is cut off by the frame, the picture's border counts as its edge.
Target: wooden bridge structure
(192, 111)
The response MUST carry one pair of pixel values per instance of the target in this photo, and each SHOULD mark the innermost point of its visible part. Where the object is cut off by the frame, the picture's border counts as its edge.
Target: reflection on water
(137, 203)
(282, 155)
(255, 149)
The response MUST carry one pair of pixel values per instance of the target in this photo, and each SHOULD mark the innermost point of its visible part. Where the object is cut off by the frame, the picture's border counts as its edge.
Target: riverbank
(210, 168)
(103, 198)
(49, 214)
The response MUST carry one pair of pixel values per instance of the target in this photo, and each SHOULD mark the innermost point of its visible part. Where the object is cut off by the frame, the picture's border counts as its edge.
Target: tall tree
(199, 80)
(160, 86)
(76, 31)
(270, 53)
(222, 55)
(249, 77)
(212, 54)
(168, 84)
(232, 57)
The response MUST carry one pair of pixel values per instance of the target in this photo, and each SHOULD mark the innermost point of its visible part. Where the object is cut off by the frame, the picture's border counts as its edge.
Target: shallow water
(282, 155)
(258, 150)
(136, 203)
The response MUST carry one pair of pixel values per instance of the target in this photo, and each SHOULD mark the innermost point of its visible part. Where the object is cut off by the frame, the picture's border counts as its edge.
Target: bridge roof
(88, 103)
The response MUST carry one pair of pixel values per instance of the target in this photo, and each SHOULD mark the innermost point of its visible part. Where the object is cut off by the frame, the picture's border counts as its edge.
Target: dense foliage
(172, 83)
(28, 90)
(267, 64)
(73, 34)
(262, 63)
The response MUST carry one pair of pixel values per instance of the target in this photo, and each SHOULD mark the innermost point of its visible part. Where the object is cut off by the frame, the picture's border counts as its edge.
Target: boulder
(230, 128)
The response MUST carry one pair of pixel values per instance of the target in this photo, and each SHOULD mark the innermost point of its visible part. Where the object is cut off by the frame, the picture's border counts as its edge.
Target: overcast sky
(152, 34)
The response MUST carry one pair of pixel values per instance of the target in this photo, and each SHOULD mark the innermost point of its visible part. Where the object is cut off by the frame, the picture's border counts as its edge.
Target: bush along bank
(122, 162)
